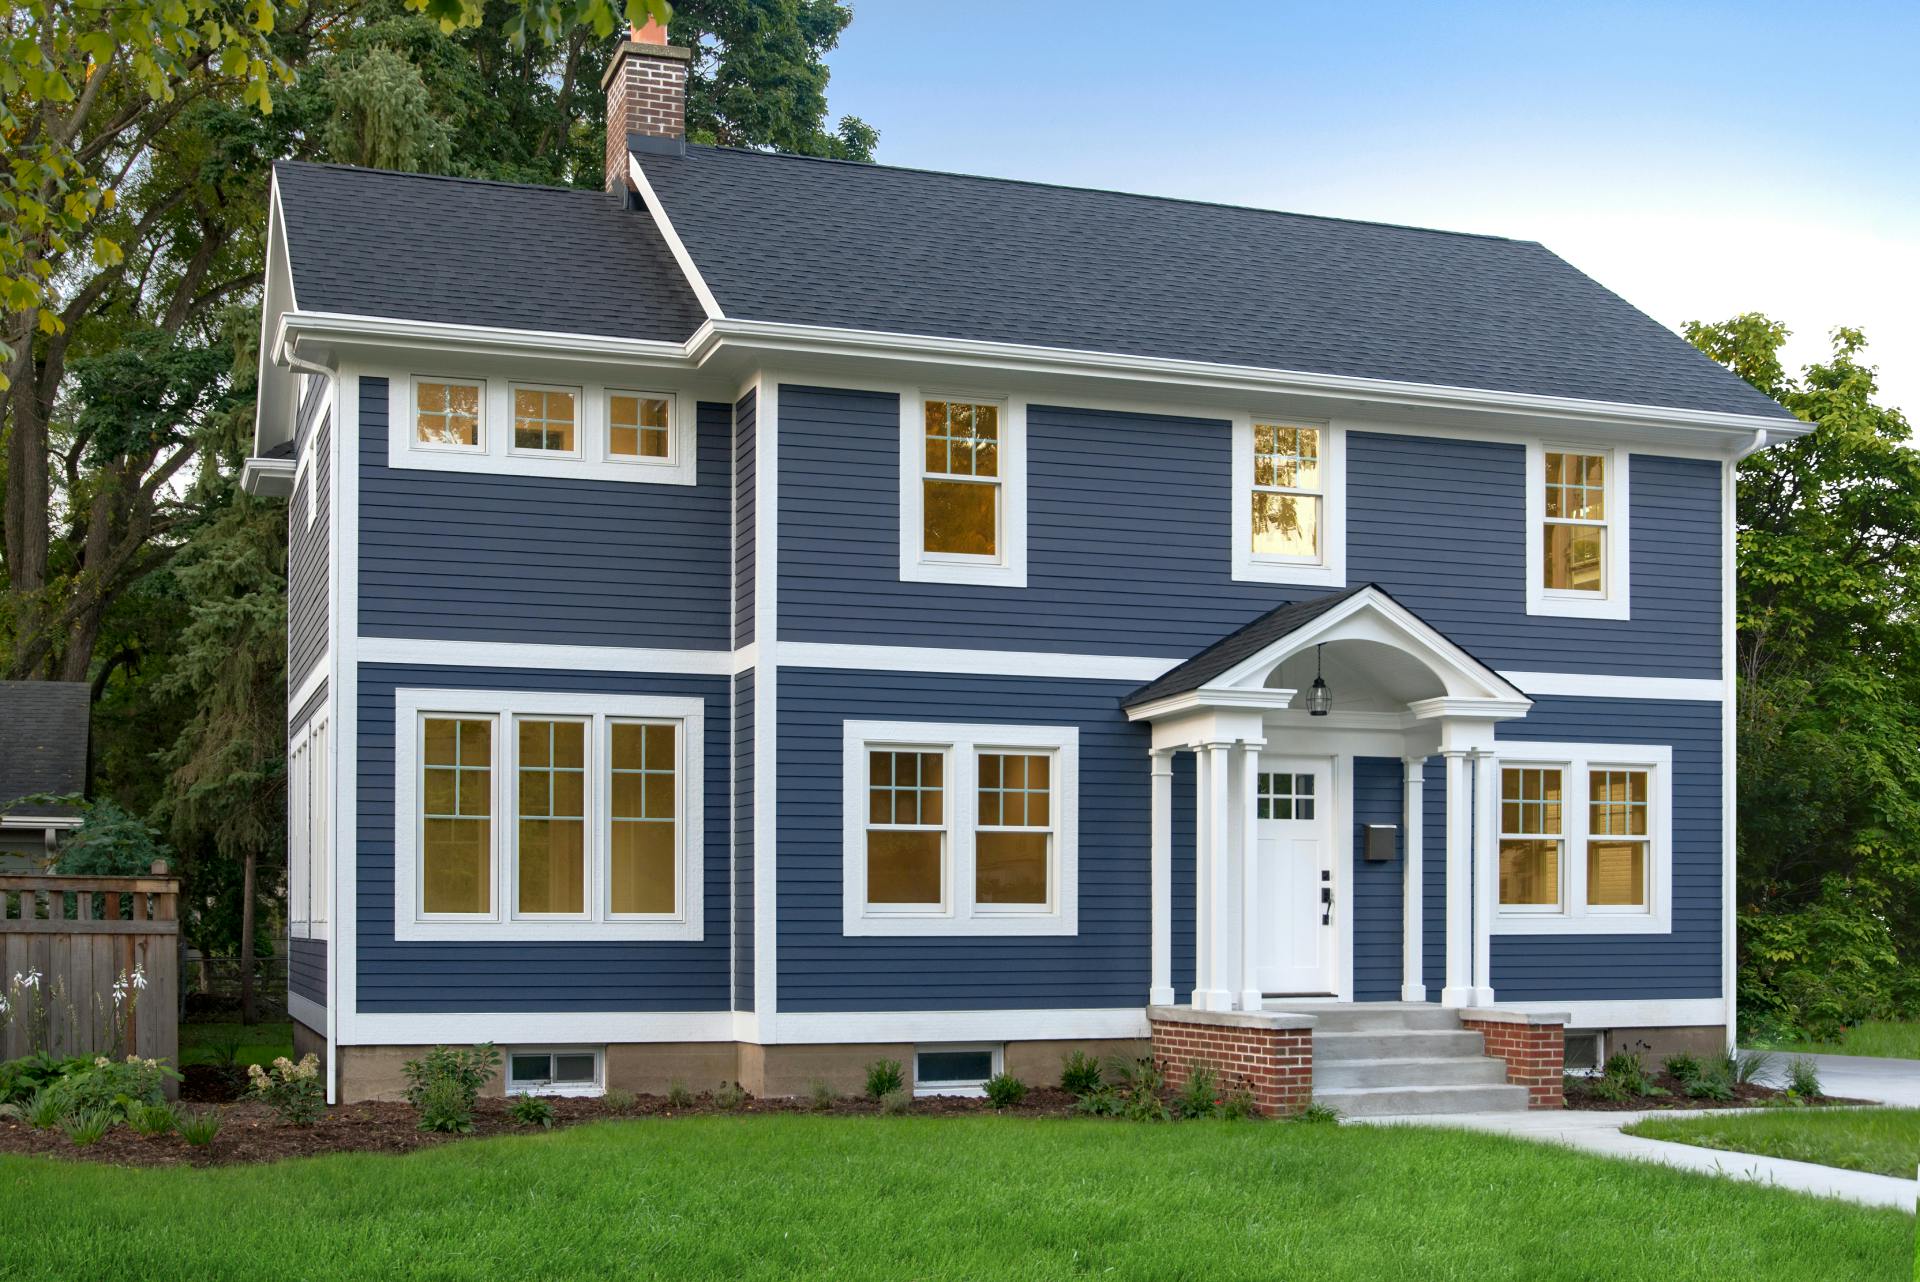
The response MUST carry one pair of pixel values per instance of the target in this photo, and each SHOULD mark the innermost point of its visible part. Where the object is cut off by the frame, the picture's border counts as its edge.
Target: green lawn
(1883, 1140)
(781, 1197)
(258, 1043)
(1881, 1038)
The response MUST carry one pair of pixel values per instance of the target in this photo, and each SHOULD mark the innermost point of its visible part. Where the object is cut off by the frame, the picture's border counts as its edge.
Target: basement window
(554, 1072)
(955, 1070)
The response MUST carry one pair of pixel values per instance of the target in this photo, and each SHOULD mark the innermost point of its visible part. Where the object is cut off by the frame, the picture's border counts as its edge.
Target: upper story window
(1584, 840)
(963, 490)
(590, 431)
(1289, 497)
(1576, 542)
(960, 829)
(529, 816)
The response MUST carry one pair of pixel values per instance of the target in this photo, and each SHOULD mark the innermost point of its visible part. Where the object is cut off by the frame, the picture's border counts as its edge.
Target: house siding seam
(742, 752)
(1378, 923)
(481, 976)
(1129, 548)
(487, 557)
(307, 969)
(307, 544)
(820, 969)
(745, 418)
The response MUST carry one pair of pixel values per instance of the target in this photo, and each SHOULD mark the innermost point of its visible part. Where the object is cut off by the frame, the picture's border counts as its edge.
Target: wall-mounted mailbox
(1380, 842)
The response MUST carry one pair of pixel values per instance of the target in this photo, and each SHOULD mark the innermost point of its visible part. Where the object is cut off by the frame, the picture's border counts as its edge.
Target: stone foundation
(1533, 1046)
(1271, 1054)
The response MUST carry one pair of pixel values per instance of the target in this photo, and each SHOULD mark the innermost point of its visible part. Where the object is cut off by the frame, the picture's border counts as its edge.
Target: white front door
(1296, 853)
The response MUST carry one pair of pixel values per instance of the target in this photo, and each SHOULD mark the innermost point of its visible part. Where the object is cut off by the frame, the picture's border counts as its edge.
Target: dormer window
(963, 490)
(1289, 502)
(1576, 535)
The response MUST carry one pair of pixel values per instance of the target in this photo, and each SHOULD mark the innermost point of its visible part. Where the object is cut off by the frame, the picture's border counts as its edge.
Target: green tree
(1828, 657)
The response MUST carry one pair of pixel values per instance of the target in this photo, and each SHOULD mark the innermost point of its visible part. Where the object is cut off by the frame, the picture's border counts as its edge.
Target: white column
(1161, 991)
(1486, 882)
(1413, 982)
(1217, 995)
(1252, 932)
(1203, 865)
(1459, 986)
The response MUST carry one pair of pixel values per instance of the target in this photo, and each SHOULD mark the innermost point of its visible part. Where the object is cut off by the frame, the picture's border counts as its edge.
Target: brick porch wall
(1535, 1055)
(1275, 1063)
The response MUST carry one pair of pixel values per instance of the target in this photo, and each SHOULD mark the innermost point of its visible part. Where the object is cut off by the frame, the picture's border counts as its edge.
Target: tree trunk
(246, 941)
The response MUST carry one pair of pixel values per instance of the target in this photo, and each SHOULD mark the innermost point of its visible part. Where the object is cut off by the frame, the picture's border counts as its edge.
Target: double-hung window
(547, 816)
(960, 829)
(1584, 840)
(963, 490)
(1577, 549)
(1289, 502)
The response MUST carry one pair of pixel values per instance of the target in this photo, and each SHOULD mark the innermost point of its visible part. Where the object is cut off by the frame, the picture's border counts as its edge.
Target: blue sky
(1701, 159)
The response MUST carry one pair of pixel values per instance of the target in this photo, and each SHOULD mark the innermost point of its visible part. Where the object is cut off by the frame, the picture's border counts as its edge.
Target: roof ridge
(449, 178)
(1110, 191)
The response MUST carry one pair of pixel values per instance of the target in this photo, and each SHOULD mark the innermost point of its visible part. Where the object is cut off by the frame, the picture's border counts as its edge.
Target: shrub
(445, 1082)
(896, 1101)
(87, 1128)
(1238, 1104)
(678, 1096)
(1625, 1073)
(1803, 1077)
(618, 1101)
(1004, 1090)
(1080, 1074)
(884, 1077)
(1710, 1086)
(199, 1129)
(1102, 1101)
(1682, 1068)
(22, 1079)
(729, 1095)
(1317, 1114)
(116, 1087)
(154, 1119)
(294, 1091)
(530, 1110)
(1197, 1096)
(1138, 1083)
(820, 1096)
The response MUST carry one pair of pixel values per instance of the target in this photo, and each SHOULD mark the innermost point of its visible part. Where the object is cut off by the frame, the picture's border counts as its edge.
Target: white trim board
(766, 690)
(1023, 663)
(1628, 1012)
(308, 1012)
(527, 1028)
(431, 653)
(1601, 685)
(675, 246)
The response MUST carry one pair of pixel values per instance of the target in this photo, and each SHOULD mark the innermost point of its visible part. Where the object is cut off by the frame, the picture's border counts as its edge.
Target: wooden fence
(90, 965)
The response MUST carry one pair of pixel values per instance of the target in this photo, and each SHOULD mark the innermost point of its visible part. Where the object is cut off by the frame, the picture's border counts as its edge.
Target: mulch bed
(250, 1132)
(1580, 1097)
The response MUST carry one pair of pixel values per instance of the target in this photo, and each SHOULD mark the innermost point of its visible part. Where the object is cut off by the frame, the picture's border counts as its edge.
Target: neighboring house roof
(871, 247)
(369, 242)
(1229, 651)
(43, 742)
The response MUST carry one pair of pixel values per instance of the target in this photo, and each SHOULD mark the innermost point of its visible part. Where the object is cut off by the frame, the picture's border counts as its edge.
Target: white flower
(139, 977)
(29, 980)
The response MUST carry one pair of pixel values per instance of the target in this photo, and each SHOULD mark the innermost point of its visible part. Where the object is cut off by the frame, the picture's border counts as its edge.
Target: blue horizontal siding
(745, 470)
(486, 557)
(1129, 543)
(1105, 965)
(743, 714)
(307, 969)
(438, 976)
(307, 541)
(1379, 932)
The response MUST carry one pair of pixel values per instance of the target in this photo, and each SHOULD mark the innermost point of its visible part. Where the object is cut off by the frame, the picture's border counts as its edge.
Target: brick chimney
(646, 86)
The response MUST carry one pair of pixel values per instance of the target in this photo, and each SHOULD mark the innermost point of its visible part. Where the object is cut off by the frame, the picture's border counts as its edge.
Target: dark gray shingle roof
(369, 242)
(43, 741)
(803, 241)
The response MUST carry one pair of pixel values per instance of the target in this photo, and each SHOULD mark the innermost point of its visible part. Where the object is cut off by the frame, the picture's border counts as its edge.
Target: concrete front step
(1453, 1070)
(1395, 1101)
(1379, 1017)
(1420, 1043)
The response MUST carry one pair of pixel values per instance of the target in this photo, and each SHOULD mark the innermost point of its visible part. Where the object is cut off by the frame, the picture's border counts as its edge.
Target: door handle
(1326, 905)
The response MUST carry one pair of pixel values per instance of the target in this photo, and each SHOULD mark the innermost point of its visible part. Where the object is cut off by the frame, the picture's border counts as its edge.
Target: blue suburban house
(782, 613)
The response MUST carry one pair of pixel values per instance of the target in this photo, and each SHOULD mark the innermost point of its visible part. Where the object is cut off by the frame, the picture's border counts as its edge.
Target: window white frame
(969, 1088)
(959, 914)
(1574, 915)
(662, 465)
(309, 830)
(591, 459)
(512, 421)
(1615, 599)
(546, 1086)
(1007, 569)
(411, 709)
(1329, 569)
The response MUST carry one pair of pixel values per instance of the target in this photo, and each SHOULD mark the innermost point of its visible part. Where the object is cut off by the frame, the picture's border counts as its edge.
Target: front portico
(1273, 800)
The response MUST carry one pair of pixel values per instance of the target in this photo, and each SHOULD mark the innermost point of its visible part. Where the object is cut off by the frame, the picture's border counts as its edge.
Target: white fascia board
(675, 246)
(277, 298)
(780, 337)
(342, 329)
(267, 477)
